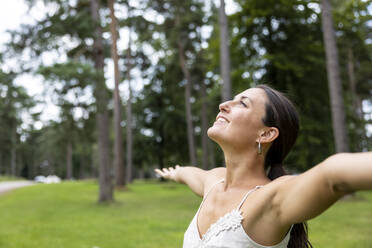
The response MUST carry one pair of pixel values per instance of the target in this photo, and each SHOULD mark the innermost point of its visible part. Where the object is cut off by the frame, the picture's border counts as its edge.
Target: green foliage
(275, 42)
(14, 102)
(280, 43)
(352, 19)
(68, 31)
(162, 100)
(73, 74)
(163, 118)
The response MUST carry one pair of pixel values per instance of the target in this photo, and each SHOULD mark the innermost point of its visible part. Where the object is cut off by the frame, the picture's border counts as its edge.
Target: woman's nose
(224, 107)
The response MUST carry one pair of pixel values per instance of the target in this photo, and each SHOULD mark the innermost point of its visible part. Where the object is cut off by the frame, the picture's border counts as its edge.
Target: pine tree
(334, 80)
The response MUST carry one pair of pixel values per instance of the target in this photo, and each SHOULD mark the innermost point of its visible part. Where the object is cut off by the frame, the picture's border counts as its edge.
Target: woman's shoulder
(214, 176)
(278, 182)
(283, 179)
(270, 190)
(218, 172)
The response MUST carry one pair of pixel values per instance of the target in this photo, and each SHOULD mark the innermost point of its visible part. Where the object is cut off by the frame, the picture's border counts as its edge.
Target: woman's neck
(244, 170)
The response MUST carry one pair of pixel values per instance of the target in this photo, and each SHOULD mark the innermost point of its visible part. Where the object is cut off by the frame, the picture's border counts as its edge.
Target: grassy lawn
(346, 224)
(148, 214)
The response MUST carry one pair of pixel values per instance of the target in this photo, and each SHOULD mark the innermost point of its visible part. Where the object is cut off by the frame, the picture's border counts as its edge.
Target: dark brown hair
(281, 113)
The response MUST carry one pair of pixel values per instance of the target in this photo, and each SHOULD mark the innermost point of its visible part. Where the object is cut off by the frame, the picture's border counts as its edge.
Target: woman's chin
(214, 134)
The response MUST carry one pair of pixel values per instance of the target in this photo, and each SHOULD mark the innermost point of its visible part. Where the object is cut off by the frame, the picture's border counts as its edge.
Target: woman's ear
(269, 134)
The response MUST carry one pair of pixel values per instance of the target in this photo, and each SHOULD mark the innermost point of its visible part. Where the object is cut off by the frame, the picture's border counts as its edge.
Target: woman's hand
(169, 173)
(193, 177)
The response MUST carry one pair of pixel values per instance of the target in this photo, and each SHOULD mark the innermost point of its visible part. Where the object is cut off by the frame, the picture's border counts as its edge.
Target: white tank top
(227, 232)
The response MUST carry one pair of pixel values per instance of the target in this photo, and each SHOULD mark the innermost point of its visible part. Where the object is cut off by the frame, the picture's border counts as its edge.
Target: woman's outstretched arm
(303, 197)
(196, 178)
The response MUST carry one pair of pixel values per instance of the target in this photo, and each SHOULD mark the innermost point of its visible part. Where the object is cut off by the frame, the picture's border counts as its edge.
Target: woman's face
(239, 122)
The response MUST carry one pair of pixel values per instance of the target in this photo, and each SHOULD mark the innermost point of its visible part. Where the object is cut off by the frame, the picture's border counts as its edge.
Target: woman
(243, 206)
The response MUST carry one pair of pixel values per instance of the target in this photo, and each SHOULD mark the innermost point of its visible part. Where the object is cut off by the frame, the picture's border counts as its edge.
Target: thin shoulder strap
(210, 189)
(246, 195)
(206, 194)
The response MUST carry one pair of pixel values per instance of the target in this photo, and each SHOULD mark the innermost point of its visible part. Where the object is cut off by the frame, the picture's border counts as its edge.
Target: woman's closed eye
(242, 103)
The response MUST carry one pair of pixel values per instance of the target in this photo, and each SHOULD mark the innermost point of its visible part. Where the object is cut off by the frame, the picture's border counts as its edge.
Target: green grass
(348, 223)
(66, 215)
(149, 214)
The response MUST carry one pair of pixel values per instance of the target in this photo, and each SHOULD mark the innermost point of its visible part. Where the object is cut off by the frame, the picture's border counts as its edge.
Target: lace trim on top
(229, 221)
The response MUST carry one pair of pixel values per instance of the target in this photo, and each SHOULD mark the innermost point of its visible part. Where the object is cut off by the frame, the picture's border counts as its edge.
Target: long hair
(281, 113)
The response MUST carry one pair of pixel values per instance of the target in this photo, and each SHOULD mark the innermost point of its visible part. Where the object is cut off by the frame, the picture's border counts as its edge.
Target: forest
(170, 64)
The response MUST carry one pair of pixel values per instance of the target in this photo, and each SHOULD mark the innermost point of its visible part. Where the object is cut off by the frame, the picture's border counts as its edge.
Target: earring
(259, 148)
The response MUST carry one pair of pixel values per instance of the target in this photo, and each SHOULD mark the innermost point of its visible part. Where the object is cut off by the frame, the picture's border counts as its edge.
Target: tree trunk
(334, 81)
(100, 92)
(31, 167)
(94, 164)
(51, 168)
(118, 145)
(204, 126)
(161, 144)
(69, 161)
(13, 163)
(1, 164)
(129, 172)
(357, 103)
(141, 173)
(82, 170)
(13, 153)
(190, 128)
(224, 53)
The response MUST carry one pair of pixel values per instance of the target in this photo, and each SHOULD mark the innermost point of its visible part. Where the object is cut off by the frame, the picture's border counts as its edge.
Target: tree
(80, 23)
(334, 80)
(118, 150)
(67, 132)
(190, 126)
(351, 20)
(280, 43)
(64, 80)
(14, 102)
(100, 92)
(274, 42)
(129, 127)
(180, 29)
(198, 73)
(224, 53)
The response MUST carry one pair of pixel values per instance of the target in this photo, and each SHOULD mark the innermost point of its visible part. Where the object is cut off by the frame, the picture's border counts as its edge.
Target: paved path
(8, 186)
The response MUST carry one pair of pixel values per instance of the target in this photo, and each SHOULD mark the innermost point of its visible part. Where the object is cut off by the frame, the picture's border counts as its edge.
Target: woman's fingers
(166, 172)
(163, 172)
(159, 172)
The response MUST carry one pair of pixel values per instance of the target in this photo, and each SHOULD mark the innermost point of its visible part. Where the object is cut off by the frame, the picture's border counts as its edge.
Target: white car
(48, 180)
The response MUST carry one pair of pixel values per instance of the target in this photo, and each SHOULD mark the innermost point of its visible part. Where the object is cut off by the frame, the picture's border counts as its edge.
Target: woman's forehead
(254, 94)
